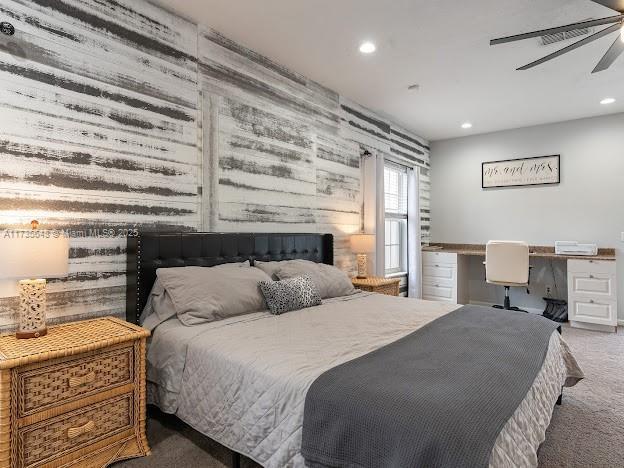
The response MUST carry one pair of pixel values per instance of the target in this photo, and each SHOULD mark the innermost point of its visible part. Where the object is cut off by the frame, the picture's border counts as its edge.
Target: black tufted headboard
(150, 251)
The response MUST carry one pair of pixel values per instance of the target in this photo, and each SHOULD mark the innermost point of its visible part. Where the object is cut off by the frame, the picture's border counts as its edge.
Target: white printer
(574, 248)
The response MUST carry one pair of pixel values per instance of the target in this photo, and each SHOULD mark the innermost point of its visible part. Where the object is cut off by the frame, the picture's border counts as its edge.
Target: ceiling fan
(616, 24)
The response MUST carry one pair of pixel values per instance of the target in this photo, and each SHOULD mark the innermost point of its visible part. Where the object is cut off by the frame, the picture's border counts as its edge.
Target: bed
(243, 381)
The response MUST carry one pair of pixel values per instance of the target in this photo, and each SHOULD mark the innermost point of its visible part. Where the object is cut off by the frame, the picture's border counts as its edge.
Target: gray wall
(588, 205)
(118, 114)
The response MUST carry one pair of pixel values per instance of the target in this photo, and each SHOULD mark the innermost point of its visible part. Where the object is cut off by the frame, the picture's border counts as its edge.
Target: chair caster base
(517, 309)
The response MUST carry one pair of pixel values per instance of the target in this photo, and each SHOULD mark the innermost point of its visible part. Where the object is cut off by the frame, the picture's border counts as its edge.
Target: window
(395, 196)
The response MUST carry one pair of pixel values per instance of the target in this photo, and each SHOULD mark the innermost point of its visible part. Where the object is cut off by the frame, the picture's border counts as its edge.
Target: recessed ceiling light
(367, 47)
(466, 125)
(606, 101)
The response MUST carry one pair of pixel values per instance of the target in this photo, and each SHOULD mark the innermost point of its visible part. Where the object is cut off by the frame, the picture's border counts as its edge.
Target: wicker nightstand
(388, 286)
(75, 397)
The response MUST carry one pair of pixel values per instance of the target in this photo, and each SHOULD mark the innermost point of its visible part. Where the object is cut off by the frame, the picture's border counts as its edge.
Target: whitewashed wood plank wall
(99, 113)
(118, 114)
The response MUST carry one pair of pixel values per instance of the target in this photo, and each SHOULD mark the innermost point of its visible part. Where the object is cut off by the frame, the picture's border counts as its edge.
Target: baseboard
(531, 310)
(621, 323)
(593, 327)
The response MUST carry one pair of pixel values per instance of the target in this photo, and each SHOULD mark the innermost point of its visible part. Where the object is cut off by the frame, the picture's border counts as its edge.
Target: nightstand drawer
(58, 382)
(53, 438)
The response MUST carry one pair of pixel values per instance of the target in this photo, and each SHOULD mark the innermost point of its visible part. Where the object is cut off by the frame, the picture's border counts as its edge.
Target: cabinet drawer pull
(437, 266)
(74, 432)
(591, 276)
(591, 301)
(83, 380)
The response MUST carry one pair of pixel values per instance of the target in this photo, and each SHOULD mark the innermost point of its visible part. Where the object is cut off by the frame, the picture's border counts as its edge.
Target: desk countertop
(534, 251)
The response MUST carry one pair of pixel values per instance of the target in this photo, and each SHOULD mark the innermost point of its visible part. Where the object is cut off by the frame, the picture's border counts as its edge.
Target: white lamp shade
(24, 257)
(362, 243)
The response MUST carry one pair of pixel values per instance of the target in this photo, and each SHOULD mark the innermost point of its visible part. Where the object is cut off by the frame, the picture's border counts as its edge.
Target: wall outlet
(548, 290)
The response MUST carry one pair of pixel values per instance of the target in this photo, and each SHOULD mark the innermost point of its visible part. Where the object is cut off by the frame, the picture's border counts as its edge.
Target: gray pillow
(202, 294)
(330, 281)
(271, 268)
(290, 294)
(158, 308)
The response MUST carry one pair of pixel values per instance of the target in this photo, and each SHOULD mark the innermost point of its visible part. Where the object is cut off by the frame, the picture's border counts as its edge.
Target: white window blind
(395, 187)
(395, 199)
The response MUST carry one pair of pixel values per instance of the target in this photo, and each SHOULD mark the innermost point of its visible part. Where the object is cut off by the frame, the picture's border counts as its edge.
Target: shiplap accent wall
(277, 158)
(116, 114)
(99, 113)
(376, 135)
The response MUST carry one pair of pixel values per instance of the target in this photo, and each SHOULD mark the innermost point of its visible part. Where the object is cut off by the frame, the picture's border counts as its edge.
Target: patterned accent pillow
(290, 294)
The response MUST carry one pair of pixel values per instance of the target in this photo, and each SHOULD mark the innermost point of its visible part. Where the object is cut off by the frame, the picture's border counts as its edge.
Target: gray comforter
(242, 381)
(438, 397)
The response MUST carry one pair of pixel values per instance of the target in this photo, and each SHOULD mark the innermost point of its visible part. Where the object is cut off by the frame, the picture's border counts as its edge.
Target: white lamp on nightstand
(33, 254)
(362, 244)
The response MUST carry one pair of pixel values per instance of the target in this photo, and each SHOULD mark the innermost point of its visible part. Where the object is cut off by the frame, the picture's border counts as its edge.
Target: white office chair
(507, 264)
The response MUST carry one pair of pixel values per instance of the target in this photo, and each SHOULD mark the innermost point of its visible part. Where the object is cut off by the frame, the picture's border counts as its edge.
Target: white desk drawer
(591, 311)
(596, 285)
(448, 272)
(438, 299)
(592, 266)
(439, 258)
(435, 281)
(439, 292)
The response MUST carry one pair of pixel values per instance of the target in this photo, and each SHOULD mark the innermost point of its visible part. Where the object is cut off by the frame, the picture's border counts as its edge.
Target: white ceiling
(443, 46)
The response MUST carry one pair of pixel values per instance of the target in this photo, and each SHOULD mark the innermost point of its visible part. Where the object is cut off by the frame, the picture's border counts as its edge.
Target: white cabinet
(443, 277)
(592, 293)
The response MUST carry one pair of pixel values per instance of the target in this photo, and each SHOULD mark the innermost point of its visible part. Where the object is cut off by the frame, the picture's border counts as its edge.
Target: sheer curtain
(414, 269)
(374, 216)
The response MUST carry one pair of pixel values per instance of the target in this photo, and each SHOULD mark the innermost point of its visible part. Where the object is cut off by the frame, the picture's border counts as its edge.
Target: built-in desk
(592, 283)
(534, 251)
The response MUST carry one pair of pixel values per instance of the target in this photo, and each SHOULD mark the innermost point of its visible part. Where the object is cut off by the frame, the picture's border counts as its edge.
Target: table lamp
(362, 244)
(33, 254)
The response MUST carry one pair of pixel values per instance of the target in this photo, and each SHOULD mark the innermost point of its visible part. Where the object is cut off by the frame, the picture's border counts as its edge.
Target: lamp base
(32, 323)
(362, 267)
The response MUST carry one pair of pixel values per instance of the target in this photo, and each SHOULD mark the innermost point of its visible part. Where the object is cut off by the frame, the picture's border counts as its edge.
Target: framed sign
(541, 170)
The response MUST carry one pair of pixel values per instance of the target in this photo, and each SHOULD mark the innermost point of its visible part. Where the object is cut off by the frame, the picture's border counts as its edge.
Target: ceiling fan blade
(559, 29)
(612, 54)
(617, 5)
(571, 47)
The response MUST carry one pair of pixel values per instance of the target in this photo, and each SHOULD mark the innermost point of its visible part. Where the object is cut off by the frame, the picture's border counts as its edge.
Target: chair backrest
(507, 262)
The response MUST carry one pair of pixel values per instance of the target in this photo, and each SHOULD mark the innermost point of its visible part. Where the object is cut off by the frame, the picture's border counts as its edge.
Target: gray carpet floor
(586, 431)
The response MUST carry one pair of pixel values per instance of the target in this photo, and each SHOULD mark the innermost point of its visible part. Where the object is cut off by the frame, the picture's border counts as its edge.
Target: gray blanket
(436, 398)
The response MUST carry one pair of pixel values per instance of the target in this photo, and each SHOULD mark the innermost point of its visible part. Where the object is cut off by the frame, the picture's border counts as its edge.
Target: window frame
(400, 218)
